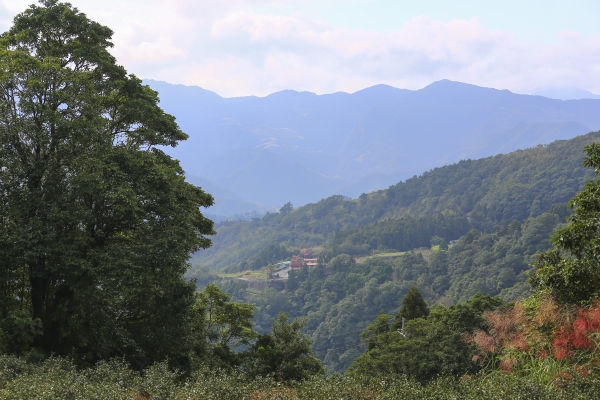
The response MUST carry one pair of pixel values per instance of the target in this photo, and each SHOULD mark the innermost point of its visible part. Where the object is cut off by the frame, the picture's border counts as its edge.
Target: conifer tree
(284, 353)
(413, 306)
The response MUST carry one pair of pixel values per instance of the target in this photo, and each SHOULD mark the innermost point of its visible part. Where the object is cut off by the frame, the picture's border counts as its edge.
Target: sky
(257, 47)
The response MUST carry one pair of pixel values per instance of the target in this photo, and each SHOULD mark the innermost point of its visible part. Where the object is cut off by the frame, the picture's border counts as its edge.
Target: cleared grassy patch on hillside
(391, 254)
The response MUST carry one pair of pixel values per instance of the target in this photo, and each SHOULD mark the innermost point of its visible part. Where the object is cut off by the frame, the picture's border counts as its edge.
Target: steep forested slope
(467, 228)
(343, 298)
(444, 202)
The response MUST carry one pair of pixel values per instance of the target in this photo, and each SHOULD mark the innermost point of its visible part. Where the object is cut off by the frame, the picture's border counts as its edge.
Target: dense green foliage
(428, 346)
(570, 271)
(285, 354)
(96, 223)
(402, 234)
(225, 339)
(221, 327)
(342, 299)
(113, 380)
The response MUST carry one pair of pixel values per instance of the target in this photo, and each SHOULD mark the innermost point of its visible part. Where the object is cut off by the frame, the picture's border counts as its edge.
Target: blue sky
(256, 47)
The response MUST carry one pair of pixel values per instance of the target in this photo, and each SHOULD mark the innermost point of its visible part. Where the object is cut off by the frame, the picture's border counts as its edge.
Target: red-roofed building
(297, 262)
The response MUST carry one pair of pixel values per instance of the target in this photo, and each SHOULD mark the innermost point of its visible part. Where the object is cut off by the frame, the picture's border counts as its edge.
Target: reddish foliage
(576, 336)
(580, 340)
(507, 364)
(583, 370)
(513, 329)
(561, 353)
(519, 341)
(485, 342)
(595, 314)
(582, 324)
(561, 343)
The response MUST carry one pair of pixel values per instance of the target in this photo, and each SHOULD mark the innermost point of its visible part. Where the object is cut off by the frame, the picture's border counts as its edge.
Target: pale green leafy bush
(58, 378)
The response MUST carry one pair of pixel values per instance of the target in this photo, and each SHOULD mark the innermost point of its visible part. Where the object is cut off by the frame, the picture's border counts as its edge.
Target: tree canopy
(223, 326)
(432, 345)
(96, 222)
(413, 306)
(285, 353)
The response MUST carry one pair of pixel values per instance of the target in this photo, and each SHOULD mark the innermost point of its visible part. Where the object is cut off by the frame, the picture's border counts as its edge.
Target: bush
(58, 378)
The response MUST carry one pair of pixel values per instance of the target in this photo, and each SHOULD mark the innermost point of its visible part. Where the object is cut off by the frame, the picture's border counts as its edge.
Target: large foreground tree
(96, 222)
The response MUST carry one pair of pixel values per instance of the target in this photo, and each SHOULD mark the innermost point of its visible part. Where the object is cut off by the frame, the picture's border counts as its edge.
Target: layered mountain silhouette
(567, 94)
(302, 147)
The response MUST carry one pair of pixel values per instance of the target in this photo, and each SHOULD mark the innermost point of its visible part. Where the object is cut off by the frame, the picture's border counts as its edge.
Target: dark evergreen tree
(285, 353)
(292, 282)
(96, 222)
(413, 306)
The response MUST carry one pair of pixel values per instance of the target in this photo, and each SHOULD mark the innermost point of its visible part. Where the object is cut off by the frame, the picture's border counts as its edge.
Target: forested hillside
(468, 228)
(444, 202)
(343, 298)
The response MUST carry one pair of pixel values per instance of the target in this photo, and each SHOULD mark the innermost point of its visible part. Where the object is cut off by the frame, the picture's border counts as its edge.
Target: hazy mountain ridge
(301, 147)
(567, 94)
(227, 203)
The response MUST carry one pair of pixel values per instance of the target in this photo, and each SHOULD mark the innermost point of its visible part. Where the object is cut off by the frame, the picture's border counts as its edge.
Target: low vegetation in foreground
(58, 378)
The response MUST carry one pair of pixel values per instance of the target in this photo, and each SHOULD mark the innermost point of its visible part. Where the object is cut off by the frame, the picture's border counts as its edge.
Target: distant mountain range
(302, 147)
(567, 94)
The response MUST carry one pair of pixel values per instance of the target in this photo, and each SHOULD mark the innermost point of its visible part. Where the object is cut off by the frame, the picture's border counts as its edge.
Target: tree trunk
(39, 295)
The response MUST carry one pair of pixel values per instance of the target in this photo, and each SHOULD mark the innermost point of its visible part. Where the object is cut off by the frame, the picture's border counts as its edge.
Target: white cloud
(269, 53)
(226, 47)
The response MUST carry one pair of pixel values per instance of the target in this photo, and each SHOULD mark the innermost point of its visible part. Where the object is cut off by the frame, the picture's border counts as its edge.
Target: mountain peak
(448, 84)
(194, 93)
(289, 93)
(447, 88)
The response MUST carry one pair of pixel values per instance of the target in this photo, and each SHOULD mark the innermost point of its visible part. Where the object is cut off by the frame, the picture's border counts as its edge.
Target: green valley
(468, 228)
